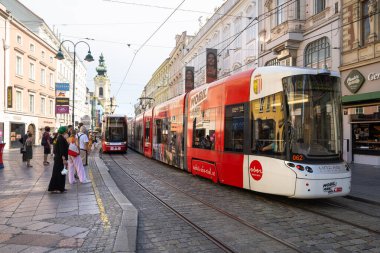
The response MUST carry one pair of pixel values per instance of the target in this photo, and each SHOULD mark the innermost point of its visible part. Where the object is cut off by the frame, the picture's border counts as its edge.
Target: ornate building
(360, 73)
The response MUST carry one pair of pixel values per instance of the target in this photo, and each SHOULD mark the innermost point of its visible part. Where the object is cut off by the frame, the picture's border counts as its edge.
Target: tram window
(234, 128)
(159, 131)
(204, 130)
(268, 127)
(147, 131)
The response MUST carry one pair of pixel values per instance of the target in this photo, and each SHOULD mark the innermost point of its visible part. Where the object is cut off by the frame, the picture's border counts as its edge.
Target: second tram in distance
(275, 130)
(114, 134)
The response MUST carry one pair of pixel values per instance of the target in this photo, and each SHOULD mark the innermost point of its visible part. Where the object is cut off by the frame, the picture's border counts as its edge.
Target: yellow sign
(9, 96)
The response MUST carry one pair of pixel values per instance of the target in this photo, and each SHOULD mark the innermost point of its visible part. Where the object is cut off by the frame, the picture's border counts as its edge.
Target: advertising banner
(9, 96)
(211, 65)
(62, 101)
(189, 79)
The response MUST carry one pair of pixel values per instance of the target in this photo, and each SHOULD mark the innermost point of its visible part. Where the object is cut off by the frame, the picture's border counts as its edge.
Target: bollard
(1, 155)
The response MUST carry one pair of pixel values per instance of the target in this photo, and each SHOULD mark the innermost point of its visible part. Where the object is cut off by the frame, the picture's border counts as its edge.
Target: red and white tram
(114, 133)
(275, 130)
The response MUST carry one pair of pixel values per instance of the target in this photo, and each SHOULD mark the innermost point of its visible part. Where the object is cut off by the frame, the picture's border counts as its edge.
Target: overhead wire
(146, 41)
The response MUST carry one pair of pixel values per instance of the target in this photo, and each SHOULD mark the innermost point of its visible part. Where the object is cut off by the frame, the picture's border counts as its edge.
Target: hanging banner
(9, 96)
(62, 100)
(211, 65)
(189, 79)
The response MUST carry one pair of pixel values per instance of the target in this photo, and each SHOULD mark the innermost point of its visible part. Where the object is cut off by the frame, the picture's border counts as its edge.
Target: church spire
(101, 69)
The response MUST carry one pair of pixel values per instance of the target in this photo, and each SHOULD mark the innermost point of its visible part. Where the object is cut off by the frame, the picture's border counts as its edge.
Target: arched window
(100, 91)
(317, 52)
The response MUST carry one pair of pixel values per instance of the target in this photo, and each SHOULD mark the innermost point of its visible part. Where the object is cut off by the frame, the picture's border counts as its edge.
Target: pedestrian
(23, 141)
(83, 144)
(57, 181)
(70, 129)
(46, 143)
(29, 149)
(75, 162)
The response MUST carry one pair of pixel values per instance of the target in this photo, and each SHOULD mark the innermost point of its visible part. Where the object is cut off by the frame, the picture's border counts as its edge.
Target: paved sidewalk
(84, 219)
(365, 182)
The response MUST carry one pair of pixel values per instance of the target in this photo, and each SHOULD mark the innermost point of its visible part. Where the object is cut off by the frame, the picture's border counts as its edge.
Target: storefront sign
(9, 96)
(373, 76)
(61, 109)
(62, 101)
(354, 81)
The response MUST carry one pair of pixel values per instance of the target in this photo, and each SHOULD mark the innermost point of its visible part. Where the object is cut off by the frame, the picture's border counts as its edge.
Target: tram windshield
(314, 120)
(115, 130)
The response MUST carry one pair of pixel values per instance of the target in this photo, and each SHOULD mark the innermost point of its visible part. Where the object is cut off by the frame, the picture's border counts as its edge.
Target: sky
(120, 28)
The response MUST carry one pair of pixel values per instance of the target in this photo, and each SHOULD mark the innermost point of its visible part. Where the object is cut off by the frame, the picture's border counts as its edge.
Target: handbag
(73, 150)
(64, 171)
(22, 150)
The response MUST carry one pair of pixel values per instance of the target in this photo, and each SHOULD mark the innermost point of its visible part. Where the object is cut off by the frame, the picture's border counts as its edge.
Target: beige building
(29, 83)
(360, 72)
(300, 33)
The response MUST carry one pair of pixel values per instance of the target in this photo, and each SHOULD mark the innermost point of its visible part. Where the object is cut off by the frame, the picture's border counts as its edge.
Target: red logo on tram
(256, 170)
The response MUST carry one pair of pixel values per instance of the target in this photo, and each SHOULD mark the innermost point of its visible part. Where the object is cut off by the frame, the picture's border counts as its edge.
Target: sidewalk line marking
(103, 214)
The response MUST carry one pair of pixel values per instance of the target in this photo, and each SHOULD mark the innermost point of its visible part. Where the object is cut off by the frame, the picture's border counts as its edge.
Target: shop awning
(361, 98)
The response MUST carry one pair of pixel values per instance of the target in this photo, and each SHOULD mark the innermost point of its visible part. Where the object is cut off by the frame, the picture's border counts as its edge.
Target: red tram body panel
(205, 124)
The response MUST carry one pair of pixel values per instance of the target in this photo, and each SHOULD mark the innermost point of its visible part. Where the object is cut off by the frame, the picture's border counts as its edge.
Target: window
(319, 5)
(43, 106)
(273, 62)
(43, 77)
(280, 11)
(32, 48)
(147, 131)
(251, 31)
(234, 128)
(237, 28)
(100, 91)
(317, 52)
(31, 103)
(267, 130)
(204, 129)
(43, 54)
(18, 100)
(32, 74)
(19, 65)
(51, 107)
(51, 80)
(365, 25)
(18, 39)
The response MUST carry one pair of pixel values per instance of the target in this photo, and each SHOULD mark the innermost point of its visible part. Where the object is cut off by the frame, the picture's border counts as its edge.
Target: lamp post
(88, 58)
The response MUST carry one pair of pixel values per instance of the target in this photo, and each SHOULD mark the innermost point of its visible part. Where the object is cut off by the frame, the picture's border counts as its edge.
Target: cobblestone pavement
(161, 231)
(84, 219)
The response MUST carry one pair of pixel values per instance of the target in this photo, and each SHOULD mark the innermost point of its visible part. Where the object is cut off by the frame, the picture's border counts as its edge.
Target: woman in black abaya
(57, 181)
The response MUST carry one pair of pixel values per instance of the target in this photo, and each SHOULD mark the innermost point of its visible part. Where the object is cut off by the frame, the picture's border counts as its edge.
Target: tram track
(217, 242)
(276, 215)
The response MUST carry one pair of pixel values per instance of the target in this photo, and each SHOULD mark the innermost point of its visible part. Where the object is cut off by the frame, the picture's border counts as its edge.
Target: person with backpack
(46, 143)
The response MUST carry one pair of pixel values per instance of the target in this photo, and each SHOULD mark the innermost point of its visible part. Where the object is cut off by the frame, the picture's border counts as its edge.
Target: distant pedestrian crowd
(71, 148)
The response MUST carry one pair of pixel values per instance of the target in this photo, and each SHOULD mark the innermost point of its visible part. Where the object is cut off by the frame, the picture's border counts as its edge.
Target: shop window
(234, 128)
(204, 130)
(267, 128)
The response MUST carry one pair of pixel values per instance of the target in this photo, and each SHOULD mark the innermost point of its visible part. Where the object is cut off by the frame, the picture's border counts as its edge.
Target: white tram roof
(268, 79)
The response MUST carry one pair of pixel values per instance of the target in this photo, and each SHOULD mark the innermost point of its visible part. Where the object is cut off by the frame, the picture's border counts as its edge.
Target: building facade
(29, 83)
(360, 73)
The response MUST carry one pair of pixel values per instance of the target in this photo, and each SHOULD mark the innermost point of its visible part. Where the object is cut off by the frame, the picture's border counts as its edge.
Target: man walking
(83, 144)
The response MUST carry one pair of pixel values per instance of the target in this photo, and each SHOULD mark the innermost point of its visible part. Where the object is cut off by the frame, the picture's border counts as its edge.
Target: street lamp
(88, 58)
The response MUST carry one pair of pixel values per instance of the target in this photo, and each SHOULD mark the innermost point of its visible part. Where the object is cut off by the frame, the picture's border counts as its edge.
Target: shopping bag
(64, 171)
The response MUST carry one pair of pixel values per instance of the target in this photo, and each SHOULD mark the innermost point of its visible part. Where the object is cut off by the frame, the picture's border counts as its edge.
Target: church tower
(103, 86)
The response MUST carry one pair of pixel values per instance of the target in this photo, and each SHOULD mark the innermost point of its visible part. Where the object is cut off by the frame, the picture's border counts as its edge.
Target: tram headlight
(309, 169)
